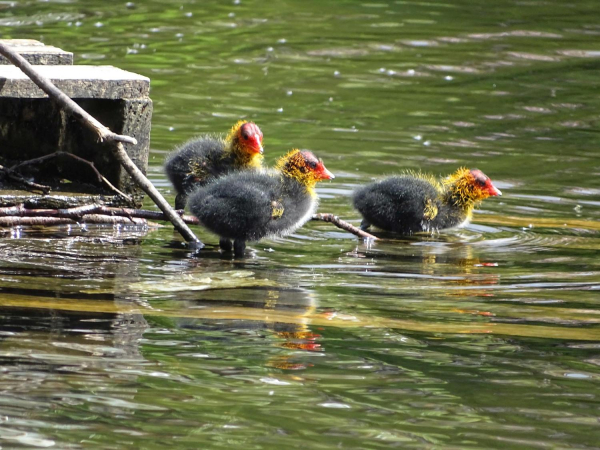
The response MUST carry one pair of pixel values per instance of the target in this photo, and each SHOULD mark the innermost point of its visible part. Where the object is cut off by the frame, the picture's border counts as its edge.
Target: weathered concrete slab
(32, 125)
(106, 82)
(37, 53)
(30, 128)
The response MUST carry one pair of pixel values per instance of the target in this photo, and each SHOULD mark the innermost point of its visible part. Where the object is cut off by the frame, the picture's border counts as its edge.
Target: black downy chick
(252, 205)
(411, 203)
(203, 159)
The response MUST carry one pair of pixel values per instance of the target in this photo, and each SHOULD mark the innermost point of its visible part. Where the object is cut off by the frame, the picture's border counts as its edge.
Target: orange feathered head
(470, 186)
(246, 137)
(304, 166)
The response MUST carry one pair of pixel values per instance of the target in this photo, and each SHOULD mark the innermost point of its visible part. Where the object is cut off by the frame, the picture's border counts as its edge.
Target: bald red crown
(316, 165)
(251, 137)
(485, 183)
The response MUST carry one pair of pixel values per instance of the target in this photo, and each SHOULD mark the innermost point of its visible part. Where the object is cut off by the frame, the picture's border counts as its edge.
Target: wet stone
(37, 53)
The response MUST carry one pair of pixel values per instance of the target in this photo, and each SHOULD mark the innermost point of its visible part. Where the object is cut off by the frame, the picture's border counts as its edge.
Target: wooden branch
(81, 213)
(104, 134)
(163, 205)
(344, 225)
(31, 185)
(58, 201)
(70, 213)
(87, 218)
(101, 178)
(10, 216)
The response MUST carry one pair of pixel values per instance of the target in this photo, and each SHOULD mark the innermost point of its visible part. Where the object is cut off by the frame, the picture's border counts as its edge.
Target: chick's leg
(238, 247)
(225, 245)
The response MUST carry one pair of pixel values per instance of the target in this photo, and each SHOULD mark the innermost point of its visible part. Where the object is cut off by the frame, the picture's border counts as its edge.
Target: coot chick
(415, 202)
(252, 205)
(202, 159)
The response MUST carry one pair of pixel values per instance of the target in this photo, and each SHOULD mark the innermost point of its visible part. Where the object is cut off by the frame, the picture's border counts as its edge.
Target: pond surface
(484, 337)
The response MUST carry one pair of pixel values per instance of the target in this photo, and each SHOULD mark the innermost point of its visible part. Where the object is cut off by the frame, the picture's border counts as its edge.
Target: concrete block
(37, 53)
(76, 82)
(31, 125)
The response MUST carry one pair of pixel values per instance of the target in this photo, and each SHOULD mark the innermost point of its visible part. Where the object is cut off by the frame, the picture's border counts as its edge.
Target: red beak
(257, 145)
(323, 173)
(493, 190)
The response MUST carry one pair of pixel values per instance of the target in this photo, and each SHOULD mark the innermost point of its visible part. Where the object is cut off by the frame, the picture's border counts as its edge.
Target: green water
(485, 337)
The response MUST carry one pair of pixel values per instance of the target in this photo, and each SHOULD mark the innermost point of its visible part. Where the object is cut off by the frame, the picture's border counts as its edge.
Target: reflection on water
(271, 305)
(483, 337)
(451, 328)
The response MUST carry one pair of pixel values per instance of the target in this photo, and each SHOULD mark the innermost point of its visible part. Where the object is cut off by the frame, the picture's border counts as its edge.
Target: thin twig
(77, 158)
(343, 225)
(104, 134)
(30, 184)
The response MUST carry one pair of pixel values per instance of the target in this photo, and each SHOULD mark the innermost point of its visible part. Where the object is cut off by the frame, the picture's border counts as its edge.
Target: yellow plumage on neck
(251, 161)
(243, 158)
(293, 165)
(461, 189)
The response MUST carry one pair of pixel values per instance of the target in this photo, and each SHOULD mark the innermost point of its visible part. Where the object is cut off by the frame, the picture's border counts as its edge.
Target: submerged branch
(335, 220)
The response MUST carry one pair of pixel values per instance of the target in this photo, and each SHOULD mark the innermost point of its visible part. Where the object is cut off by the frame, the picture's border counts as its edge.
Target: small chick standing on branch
(252, 205)
(203, 159)
(411, 203)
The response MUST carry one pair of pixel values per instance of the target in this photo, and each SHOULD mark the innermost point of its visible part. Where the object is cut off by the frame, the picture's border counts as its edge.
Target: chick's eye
(245, 136)
(312, 164)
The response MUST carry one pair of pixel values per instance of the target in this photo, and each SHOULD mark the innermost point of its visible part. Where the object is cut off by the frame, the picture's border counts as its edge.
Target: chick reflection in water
(443, 275)
(280, 315)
